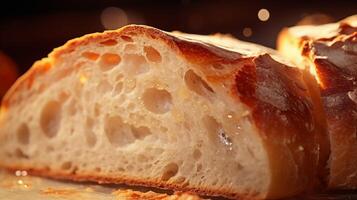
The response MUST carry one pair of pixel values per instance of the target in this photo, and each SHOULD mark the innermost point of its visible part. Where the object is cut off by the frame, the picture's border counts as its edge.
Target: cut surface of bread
(207, 114)
(329, 53)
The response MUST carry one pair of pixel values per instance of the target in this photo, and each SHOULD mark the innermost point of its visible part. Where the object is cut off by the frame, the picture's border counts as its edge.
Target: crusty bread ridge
(328, 52)
(146, 107)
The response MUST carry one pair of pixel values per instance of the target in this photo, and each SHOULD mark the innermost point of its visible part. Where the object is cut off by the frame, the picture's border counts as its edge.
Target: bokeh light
(247, 32)
(113, 18)
(263, 14)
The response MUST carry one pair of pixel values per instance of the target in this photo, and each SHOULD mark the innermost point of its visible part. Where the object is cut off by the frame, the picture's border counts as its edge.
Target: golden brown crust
(333, 57)
(194, 51)
(275, 94)
(339, 94)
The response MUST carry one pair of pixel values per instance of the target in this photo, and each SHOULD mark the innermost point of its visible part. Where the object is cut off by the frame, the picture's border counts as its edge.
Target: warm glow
(314, 74)
(247, 32)
(263, 14)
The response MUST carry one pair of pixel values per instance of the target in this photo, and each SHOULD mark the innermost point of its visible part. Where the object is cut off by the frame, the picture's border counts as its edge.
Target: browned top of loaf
(335, 59)
(332, 48)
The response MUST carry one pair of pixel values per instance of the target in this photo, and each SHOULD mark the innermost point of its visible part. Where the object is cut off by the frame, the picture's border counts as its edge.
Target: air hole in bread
(97, 169)
(197, 84)
(108, 61)
(109, 42)
(197, 154)
(170, 170)
(140, 132)
(198, 167)
(66, 165)
(215, 182)
(119, 77)
(152, 54)
(104, 86)
(129, 48)
(118, 133)
(89, 134)
(212, 127)
(180, 180)
(50, 120)
(158, 101)
(135, 64)
(90, 55)
(20, 154)
(126, 38)
(118, 88)
(23, 134)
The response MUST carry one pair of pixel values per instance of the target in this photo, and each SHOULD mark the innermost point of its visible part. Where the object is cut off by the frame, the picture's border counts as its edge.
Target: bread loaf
(207, 114)
(329, 53)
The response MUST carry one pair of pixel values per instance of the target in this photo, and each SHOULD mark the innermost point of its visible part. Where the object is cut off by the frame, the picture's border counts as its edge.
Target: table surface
(21, 186)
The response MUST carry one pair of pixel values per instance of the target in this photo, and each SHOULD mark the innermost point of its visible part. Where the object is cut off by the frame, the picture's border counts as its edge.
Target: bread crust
(333, 57)
(284, 120)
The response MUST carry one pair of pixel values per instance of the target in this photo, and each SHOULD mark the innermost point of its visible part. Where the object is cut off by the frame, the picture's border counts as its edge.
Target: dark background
(29, 30)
